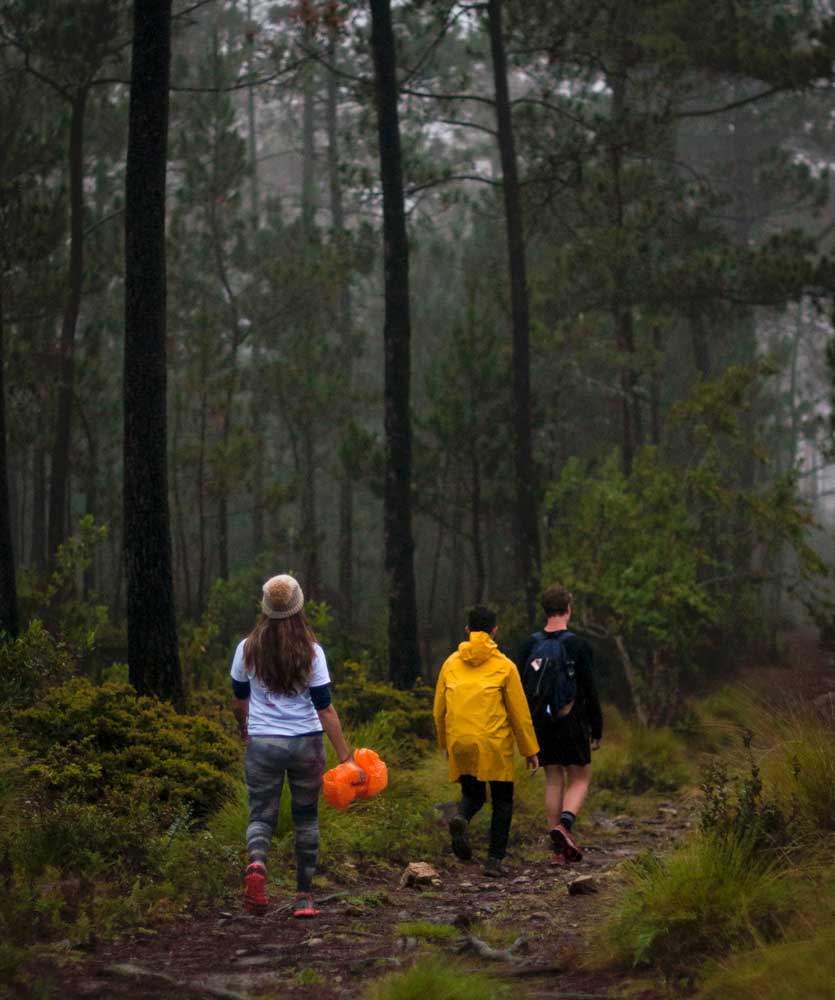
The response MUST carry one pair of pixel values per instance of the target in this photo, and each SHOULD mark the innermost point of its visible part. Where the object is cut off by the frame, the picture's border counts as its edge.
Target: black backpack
(549, 676)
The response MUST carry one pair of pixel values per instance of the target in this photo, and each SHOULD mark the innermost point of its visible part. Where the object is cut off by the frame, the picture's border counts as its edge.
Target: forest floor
(364, 929)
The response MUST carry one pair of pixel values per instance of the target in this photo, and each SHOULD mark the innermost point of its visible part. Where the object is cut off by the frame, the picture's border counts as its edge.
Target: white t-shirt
(272, 714)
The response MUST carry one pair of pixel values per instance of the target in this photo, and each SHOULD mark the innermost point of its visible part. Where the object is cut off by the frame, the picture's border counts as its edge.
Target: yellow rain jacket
(479, 708)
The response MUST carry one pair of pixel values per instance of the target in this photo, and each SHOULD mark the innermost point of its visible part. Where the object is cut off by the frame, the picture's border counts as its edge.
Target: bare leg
(579, 779)
(554, 781)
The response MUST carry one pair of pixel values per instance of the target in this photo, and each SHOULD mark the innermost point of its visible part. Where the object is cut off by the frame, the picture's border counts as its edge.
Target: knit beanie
(282, 598)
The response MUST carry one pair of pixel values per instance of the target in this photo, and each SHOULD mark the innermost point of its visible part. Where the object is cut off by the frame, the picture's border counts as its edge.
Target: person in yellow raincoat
(480, 707)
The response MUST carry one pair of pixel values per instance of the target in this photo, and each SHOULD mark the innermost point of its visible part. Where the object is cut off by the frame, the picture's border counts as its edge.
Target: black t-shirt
(581, 652)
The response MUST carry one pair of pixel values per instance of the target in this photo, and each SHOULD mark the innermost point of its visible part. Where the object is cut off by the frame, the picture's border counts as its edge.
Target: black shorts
(565, 740)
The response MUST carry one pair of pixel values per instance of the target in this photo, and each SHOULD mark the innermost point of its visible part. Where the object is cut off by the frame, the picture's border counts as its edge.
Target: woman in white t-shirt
(282, 702)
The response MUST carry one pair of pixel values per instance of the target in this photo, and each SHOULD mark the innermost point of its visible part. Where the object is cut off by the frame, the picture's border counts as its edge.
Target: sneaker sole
(563, 846)
(460, 841)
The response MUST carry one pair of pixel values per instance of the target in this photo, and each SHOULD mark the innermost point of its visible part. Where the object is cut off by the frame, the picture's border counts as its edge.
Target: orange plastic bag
(338, 785)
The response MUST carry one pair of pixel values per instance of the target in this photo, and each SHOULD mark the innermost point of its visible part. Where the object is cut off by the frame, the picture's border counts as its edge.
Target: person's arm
(240, 707)
(333, 728)
(439, 710)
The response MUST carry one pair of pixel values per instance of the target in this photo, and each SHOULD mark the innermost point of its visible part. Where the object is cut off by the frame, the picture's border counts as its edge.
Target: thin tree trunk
(37, 553)
(404, 648)
(346, 478)
(201, 497)
(655, 388)
(9, 616)
(179, 521)
(60, 468)
(526, 508)
(153, 655)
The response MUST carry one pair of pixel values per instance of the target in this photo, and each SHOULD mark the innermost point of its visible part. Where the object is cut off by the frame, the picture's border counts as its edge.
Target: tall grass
(712, 893)
(801, 768)
(789, 970)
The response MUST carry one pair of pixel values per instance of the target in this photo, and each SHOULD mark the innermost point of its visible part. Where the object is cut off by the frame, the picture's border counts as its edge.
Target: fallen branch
(484, 950)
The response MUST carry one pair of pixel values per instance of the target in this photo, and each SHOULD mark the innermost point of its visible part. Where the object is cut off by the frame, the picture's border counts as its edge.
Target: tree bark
(526, 519)
(60, 468)
(153, 655)
(9, 617)
(404, 648)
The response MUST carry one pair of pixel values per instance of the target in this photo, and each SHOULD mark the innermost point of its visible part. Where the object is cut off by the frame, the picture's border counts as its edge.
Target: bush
(706, 897)
(440, 981)
(93, 743)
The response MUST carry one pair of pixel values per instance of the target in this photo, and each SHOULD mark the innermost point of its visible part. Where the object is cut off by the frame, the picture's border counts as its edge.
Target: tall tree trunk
(309, 509)
(346, 477)
(153, 655)
(9, 618)
(621, 309)
(526, 519)
(404, 648)
(60, 468)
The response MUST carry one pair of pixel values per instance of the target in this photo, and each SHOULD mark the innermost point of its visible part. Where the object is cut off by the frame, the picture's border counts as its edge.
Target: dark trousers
(473, 797)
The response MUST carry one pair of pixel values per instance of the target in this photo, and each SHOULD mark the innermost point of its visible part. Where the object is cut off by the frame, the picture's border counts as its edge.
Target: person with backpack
(282, 703)
(556, 667)
(479, 710)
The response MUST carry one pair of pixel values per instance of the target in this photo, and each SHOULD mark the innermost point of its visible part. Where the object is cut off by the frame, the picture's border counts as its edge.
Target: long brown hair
(279, 652)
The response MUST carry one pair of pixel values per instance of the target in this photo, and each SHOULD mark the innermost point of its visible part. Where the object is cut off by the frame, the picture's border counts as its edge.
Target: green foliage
(91, 742)
(440, 980)
(645, 760)
(709, 895)
(30, 664)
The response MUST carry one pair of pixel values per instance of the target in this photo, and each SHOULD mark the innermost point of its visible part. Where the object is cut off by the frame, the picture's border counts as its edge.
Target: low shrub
(90, 743)
(441, 981)
(709, 895)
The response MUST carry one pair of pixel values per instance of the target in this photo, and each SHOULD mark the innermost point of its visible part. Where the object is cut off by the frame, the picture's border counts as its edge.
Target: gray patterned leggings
(267, 760)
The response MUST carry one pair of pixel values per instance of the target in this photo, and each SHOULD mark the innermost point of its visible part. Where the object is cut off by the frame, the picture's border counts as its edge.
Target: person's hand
(595, 744)
(532, 763)
(360, 777)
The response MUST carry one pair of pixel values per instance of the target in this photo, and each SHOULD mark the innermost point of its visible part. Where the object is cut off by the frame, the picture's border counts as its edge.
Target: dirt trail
(357, 938)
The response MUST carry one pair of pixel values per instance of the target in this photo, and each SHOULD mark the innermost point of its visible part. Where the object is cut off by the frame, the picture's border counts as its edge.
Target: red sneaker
(558, 858)
(304, 906)
(255, 881)
(565, 844)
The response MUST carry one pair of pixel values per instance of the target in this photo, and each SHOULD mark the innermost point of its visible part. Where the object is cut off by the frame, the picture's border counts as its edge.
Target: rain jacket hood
(477, 649)
(480, 709)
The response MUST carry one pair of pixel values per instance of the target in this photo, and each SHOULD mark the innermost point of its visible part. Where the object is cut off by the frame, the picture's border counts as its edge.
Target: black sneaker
(493, 868)
(460, 840)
